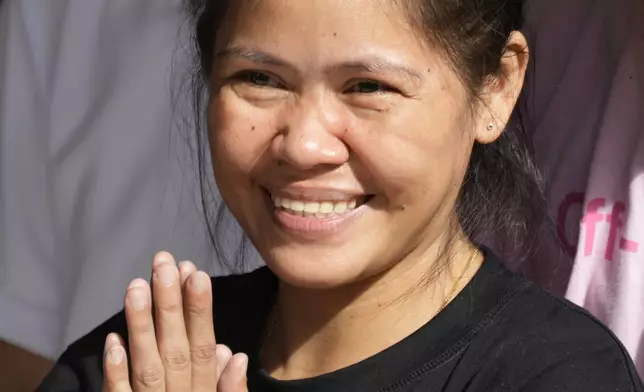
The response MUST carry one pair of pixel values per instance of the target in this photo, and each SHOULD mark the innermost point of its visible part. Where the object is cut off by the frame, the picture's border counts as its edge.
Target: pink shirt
(587, 104)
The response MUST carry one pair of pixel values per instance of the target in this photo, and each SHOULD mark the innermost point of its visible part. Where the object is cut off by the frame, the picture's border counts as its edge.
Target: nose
(311, 136)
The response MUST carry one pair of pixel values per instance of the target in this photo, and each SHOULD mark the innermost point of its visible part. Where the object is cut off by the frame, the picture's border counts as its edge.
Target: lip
(313, 228)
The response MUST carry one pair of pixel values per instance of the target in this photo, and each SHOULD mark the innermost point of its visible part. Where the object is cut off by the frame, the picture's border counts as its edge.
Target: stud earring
(490, 126)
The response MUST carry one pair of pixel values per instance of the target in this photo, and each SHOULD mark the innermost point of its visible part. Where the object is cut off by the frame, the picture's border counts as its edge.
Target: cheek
(413, 156)
(239, 135)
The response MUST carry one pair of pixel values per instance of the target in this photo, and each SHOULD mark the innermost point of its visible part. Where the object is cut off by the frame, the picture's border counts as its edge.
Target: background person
(586, 106)
(95, 173)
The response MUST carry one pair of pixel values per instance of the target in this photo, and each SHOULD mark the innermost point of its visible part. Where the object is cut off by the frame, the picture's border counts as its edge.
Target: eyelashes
(370, 87)
(261, 79)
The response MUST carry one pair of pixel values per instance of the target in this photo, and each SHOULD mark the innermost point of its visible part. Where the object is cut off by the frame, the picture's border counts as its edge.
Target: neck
(319, 331)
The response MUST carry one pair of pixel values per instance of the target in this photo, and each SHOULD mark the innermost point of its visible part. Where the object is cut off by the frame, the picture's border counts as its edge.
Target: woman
(361, 146)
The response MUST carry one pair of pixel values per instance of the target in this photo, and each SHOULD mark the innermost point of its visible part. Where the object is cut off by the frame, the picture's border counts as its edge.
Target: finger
(201, 332)
(115, 371)
(234, 377)
(170, 325)
(223, 357)
(147, 368)
(186, 268)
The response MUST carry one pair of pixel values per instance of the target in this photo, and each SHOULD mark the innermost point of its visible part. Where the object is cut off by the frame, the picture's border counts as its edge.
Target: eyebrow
(373, 64)
(255, 56)
(379, 64)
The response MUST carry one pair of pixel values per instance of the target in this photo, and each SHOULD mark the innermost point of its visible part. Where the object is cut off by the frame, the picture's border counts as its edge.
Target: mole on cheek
(252, 128)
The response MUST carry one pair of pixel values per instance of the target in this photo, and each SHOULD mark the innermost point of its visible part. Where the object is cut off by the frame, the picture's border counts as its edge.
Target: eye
(369, 87)
(259, 79)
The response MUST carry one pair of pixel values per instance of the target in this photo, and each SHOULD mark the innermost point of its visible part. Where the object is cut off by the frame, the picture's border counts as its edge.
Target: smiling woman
(362, 146)
(378, 123)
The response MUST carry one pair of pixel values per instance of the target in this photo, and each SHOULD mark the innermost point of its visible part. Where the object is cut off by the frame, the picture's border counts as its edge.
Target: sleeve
(30, 273)
(95, 174)
(576, 355)
(597, 369)
(80, 368)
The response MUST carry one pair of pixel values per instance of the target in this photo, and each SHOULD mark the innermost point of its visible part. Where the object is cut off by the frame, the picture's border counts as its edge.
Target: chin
(321, 269)
(315, 266)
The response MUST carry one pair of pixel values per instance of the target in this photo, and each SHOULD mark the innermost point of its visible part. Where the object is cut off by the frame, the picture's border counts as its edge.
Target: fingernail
(201, 281)
(183, 265)
(116, 355)
(138, 298)
(243, 365)
(167, 274)
(223, 354)
(113, 340)
(115, 352)
(162, 258)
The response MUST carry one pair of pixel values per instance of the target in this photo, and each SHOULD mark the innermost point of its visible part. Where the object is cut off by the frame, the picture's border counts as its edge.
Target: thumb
(233, 379)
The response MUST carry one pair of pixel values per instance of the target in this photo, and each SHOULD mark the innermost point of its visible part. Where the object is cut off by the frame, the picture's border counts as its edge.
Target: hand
(176, 351)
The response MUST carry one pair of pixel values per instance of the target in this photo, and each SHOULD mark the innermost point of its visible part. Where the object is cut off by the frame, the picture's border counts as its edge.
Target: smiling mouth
(318, 209)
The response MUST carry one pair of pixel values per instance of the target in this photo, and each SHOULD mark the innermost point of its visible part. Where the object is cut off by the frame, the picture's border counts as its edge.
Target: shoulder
(543, 343)
(243, 288)
(240, 303)
(80, 368)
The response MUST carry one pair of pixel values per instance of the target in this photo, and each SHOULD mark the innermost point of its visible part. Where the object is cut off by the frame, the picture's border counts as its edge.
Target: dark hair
(502, 192)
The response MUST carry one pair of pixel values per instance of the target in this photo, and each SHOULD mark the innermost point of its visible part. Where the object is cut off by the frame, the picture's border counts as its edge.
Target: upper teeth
(314, 207)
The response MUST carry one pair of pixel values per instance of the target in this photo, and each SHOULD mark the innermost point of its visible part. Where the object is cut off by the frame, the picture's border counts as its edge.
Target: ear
(501, 94)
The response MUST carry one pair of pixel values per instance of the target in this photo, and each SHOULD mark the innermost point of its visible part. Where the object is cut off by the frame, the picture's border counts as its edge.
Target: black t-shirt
(501, 333)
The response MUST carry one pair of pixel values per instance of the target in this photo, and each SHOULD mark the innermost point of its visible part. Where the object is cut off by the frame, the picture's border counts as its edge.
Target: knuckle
(171, 307)
(176, 360)
(141, 326)
(197, 309)
(150, 376)
(203, 353)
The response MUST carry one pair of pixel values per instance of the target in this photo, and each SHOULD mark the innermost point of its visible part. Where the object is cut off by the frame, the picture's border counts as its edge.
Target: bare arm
(20, 370)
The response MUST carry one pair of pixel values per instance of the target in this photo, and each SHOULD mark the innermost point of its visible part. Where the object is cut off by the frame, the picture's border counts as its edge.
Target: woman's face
(339, 136)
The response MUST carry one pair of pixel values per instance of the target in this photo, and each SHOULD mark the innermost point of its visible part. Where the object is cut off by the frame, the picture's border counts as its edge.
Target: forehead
(317, 14)
(323, 30)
